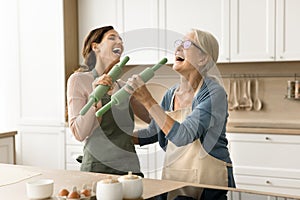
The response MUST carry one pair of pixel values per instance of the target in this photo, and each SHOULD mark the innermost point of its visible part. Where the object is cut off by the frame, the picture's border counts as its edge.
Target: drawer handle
(267, 138)
(268, 182)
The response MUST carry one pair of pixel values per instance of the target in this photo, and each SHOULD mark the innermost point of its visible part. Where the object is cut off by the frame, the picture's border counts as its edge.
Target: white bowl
(109, 191)
(132, 188)
(39, 189)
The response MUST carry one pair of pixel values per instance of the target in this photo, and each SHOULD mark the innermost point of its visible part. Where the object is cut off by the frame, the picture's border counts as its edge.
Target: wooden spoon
(235, 103)
(257, 102)
(249, 100)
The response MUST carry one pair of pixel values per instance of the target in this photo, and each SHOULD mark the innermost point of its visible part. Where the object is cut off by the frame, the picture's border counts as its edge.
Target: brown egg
(74, 194)
(86, 192)
(63, 192)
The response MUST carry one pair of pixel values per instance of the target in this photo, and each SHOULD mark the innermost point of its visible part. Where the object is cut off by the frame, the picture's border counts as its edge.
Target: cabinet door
(43, 146)
(252, 30)
(7, 150)
(96, 13)
(140, 31)
(42, 83)
(288, 30)
(42, 62)
(211, 16)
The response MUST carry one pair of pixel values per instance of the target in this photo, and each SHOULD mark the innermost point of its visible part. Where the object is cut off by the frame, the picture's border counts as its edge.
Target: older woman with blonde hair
(190, 122)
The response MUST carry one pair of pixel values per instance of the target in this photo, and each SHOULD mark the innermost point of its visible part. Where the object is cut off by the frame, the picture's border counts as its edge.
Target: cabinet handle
(267, 138)
(272, 57)
(268, 182)
(281, 57)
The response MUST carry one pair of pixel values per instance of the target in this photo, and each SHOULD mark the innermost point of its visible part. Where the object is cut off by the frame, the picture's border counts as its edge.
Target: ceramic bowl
(39, 189)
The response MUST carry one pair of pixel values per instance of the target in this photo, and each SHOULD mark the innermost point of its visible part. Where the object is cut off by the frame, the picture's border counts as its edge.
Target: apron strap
(228, 164)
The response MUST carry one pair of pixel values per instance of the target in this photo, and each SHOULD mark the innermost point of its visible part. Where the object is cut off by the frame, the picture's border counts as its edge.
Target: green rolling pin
(101, 90)
(122, 94)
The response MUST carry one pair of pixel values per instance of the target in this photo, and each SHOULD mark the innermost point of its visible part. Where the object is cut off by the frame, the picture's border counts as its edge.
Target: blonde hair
(209, 45)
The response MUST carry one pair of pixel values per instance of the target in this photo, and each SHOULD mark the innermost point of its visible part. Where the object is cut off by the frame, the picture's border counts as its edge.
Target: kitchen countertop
(15, 189)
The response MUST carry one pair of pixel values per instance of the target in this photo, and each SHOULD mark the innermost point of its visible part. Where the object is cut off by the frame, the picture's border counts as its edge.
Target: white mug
(109, 189)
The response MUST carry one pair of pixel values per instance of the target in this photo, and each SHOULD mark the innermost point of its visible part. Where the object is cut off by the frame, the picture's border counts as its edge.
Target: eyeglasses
(185, 44)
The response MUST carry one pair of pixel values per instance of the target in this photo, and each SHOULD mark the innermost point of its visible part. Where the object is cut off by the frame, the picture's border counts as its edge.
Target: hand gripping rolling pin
(101, 90)
(122, 94)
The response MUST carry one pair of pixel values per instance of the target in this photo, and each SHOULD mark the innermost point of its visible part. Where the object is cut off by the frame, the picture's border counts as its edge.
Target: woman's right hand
(104, 79)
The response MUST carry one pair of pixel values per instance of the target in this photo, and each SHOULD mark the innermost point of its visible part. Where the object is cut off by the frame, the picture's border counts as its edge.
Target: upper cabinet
(252, 30)
(287, 30)
(247, 31)
(140, 33)
(264, 30)
(211, 16)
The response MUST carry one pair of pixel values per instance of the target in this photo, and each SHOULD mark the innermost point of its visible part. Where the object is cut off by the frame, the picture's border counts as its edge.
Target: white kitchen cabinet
(93, 14)
(211, 16)
(140, 22)
(43, 146)
(264, 30)
(252, 30)
(151, 160)
(74, 148)
(287, 30)
(266, 162)
(7, 147)
(135, 20)
(42, 83)
(247, 31)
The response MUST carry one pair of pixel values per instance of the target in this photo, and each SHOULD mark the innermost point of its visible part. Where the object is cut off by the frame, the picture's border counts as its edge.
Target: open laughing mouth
(117, 51)
(179, 58)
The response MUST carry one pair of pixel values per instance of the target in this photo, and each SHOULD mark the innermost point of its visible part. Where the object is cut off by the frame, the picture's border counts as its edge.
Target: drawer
(265, 151)
(269, 184)
(72, 152)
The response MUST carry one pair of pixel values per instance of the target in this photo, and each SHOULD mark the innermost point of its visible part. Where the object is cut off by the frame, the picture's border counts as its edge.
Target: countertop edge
(259, 130)
(8, 134)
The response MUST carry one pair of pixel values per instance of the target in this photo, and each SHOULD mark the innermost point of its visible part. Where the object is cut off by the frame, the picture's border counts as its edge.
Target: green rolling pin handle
(87, 106)
(148, 73)
(101, 90)
(158, 65)
(122, 94)
(104, 109)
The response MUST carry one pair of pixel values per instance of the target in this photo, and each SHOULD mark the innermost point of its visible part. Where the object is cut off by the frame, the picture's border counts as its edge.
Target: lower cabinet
(7, 147)
(150, 156)
(151, 160)
(266, 162)
(74, 149)
(42, 146)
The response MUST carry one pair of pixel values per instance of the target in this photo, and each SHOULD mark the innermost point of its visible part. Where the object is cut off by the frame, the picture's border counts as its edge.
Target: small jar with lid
(132, 186)
(109, 189)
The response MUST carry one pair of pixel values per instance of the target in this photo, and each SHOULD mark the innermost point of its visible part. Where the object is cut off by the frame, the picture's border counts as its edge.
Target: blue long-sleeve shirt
(206, 122)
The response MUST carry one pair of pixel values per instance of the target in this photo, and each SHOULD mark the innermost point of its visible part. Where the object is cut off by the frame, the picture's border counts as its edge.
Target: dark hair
(89, 56)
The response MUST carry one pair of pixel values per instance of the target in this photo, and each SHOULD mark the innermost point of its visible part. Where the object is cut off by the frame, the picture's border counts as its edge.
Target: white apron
(191, 163)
